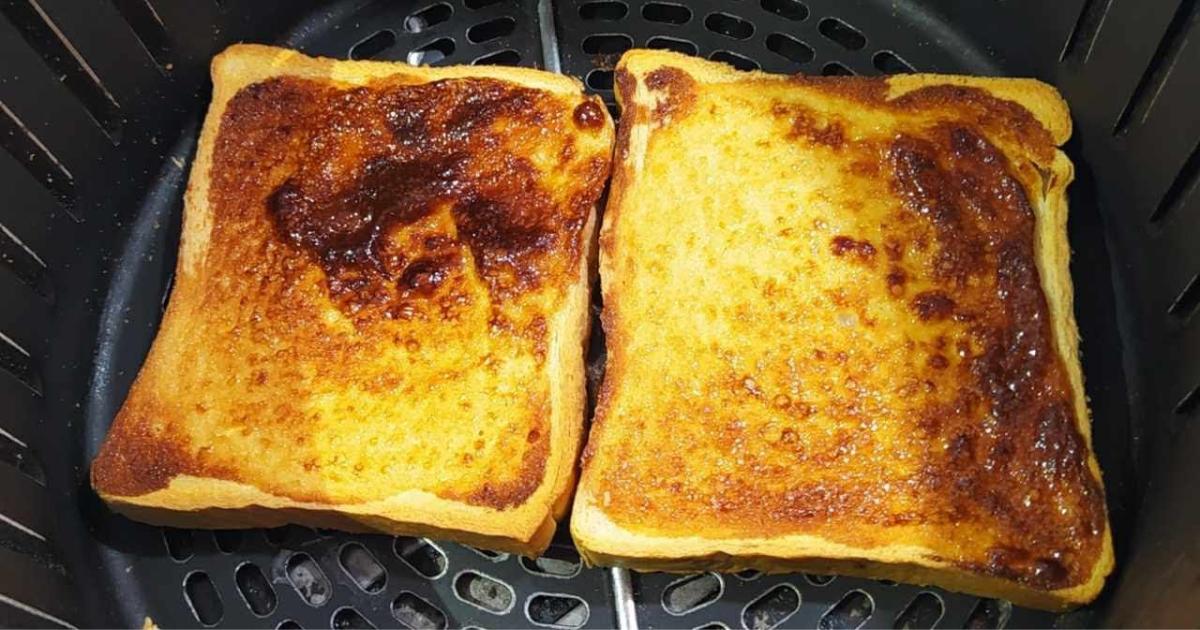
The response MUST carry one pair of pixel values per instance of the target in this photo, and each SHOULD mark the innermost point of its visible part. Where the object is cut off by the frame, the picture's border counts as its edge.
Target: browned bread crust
(840, 335)
(379, 308)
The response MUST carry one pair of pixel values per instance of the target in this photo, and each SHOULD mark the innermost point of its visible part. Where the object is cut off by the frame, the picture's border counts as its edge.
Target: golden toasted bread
(379, 308)
(840, 335)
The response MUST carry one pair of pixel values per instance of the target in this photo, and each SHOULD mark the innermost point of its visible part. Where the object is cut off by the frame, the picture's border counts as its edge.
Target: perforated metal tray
(99, 119)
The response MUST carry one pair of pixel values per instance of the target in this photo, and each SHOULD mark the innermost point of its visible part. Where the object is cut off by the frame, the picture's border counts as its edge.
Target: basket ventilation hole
(771, 608)
(370, 47)
(989, 613)
(817, 579)
(415, 612)
(728, 25)
(749, 574)
(889, 62)
(227, 540)
(494, 556)
(557, 610)
(599, 79)
(37, 159)
(16, 361)
(790, 9)
(255, 589)
(1184, 409)
(362, 567)
(713, 625)
(671, 43)
(1087, 26)
(924, 611)
(835, 69)
(1154, 77)
(180, 545)
(484, 592)
(735, 60)
(144, 21)
(1186, 302)
(667, 12)
(431, 53)
(607, 44)
(842, 34)
(789, 48)
(421, 556)
(289, 536)
(275, 536)
(1189, 403)
(603, 10)
(288, 624)
(491, 29)
(349, 619)
(203, 598)
(25, 264)
(307, 534)
(309, 580)
(854, 609)
(425, 18)
(1184, 184)
(479, 4)
(690, 593)
(21, 539)
(72, 70)
(507, 57)
(19, 456)
(560, 562)
(887, 582)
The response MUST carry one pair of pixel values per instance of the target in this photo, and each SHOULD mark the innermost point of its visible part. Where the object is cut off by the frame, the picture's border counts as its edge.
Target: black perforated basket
(99, 108)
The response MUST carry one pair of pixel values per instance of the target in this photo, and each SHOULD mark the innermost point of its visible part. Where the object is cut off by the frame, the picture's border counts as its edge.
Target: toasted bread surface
(840, 334)
(379, 308)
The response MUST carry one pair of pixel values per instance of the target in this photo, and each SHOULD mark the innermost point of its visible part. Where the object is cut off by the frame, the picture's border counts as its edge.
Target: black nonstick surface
(101, 103)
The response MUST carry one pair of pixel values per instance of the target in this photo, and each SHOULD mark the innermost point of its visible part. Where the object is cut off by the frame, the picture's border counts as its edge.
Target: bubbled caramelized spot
(675, 91)
(845, 245)
(589, 115)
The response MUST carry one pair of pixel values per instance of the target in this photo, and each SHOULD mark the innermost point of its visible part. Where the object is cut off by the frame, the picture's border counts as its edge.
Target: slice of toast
(840, 335)
(379, 308)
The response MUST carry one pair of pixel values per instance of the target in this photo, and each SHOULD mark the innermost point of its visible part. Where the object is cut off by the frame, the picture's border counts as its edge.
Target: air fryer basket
(99, 108)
